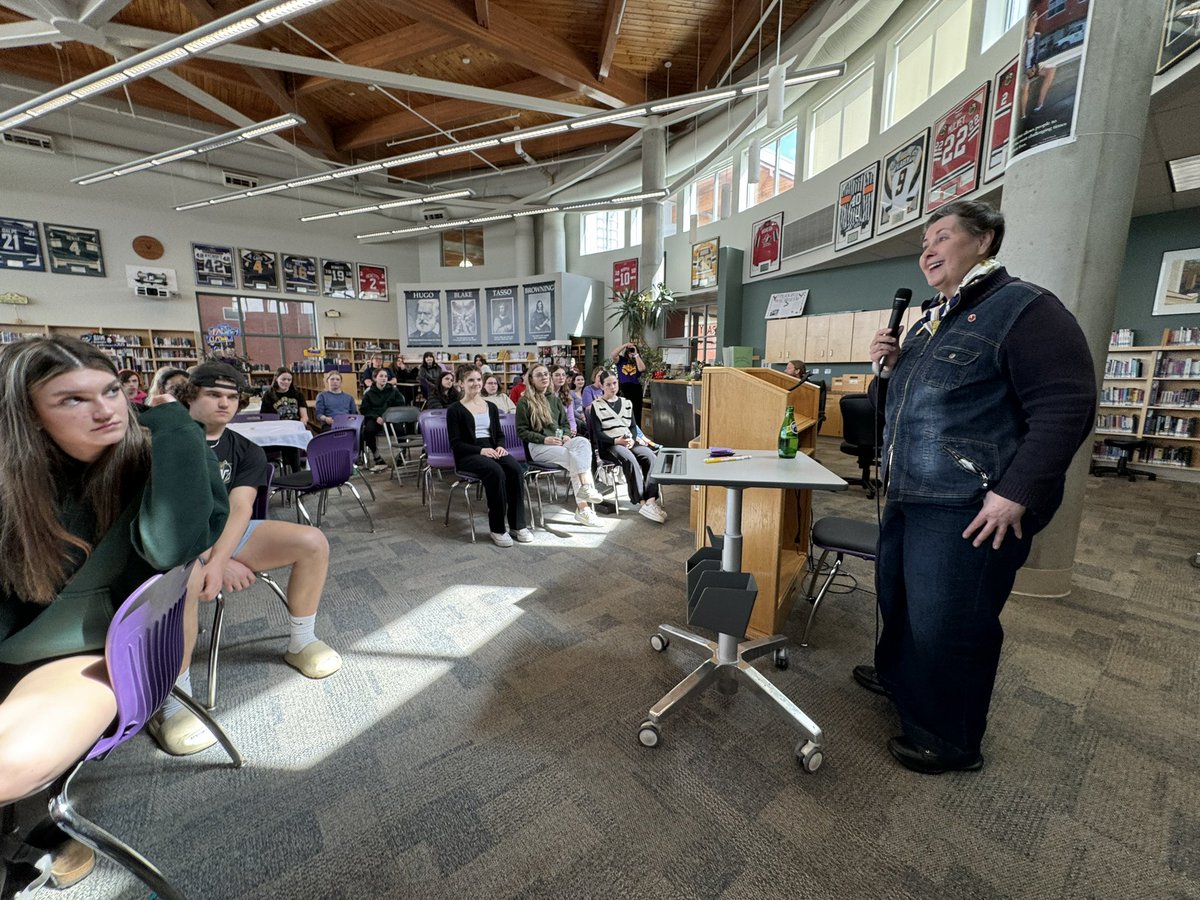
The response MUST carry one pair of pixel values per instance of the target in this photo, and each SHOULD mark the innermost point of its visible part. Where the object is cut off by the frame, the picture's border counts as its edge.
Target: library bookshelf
(141, 349)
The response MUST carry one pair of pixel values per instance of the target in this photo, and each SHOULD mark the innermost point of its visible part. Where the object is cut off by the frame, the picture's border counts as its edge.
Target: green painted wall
(1149, 238)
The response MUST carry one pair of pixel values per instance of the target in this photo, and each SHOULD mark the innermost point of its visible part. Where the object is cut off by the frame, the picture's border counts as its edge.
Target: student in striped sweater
(619, 440)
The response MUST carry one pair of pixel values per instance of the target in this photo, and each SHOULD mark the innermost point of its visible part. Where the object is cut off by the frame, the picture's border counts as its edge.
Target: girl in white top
(492, 394)
(610, 422)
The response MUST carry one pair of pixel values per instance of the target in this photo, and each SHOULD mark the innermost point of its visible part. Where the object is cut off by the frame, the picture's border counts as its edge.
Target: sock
(171, 705)
(303, 632)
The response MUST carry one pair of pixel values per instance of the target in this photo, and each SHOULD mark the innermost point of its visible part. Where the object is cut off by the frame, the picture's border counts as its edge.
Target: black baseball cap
(217, 374)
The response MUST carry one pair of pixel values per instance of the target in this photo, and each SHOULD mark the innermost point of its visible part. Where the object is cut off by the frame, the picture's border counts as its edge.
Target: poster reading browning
(766, 245)
(1004, 93)
(539, 311)
(856, 208)
(372, 282)
(1052, 57)
(464, 317)
(957, 144)
(903, 178)
(213, 265)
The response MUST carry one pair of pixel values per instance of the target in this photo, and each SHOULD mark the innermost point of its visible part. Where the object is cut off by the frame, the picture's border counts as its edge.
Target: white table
(274, 433)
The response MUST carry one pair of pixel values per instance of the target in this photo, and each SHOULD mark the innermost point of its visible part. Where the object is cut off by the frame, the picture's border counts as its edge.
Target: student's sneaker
(501, 540)
(648, 510)
(182, 734)
(523, 536)
(316, 660)
(586, 516)
(588, 493)
(657, 501)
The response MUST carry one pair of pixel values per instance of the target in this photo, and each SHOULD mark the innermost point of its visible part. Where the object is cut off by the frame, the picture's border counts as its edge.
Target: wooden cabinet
(866, 324)
(841, 334)
(816, 344)
(775, 348)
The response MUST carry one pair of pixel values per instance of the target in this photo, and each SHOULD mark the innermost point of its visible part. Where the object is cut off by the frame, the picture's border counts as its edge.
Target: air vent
(813, 231)
(30, 140)
(434, 213)
(238, 180)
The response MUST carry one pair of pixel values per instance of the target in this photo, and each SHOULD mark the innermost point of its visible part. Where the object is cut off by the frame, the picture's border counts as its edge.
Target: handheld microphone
(899, 306)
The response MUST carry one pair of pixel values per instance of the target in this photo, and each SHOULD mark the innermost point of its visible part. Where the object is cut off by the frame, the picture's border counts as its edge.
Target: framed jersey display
(1004, 95)
(20, 247)
(957, 146)
(704, 263)
(259, 270)
(300, 274)
(73, 250)
(372, 282)
(213, 265)
(766, 245)
(856, 208)
(337, 279)
(901, 183)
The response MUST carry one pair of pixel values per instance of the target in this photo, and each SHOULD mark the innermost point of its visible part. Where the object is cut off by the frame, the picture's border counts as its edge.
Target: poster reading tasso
(856, 208)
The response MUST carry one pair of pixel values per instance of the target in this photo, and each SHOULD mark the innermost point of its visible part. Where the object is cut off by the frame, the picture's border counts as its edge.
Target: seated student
(797, 369)
(247, 546)
(596, 388)
(94, 499)
(542, 425)
(165, 378)
(429, 373)
(619, 441)
(131, 384)
(379, 398)
(405, 374)
(492, 394)
(576, 382)
(284, 400)
(481, 364)
(443, 394)
(478, 444)
(518, 387)
(367, 376)
(333, 401)
(576, 418)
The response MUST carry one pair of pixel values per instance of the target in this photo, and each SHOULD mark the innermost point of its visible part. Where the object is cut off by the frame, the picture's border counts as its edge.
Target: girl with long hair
(429, 373)
(284, 400)
(542, 424)
(596, 388)
(620, 440)
(165, 379)
(94, 499)
(576, 420)
(443, 394)
(492, 394)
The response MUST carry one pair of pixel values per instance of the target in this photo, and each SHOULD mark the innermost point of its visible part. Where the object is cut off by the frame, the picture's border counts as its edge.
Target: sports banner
(259, 270)
(625, 275)
(74, 250)
(856, 209)
(20, 246)
(337, 279)
(903, 179)
(213, 265)
(766, 245)
(1004, 94)
(372, 282)
(299, 274)
(957, 145)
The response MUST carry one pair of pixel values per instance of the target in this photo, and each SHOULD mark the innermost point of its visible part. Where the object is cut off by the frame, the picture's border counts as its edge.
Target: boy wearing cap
(214, 391)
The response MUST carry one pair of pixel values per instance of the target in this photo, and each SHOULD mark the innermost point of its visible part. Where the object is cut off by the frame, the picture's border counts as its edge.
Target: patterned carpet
(480, 741)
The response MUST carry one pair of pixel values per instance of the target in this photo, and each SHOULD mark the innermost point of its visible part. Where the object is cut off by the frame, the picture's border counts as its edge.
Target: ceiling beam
(608, 41)
(745, 17)
(482, 13)
(27, 34)
(97, 12)
(522, 42)
(386, 50)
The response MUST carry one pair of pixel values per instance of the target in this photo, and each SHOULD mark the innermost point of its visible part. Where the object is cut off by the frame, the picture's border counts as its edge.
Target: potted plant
(639, 312)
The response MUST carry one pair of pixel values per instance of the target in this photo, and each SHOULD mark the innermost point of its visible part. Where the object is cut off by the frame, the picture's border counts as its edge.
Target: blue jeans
(940, 600)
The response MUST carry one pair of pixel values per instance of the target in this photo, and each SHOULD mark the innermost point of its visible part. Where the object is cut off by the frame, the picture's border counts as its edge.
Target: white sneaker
(586, 516)
(657, 501)
(523, 536)
(501, 540)
(588, 493)
(649, 511)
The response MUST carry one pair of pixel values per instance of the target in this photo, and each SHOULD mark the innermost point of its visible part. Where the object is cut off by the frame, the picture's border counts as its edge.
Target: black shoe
(927, 762)
(869, 678)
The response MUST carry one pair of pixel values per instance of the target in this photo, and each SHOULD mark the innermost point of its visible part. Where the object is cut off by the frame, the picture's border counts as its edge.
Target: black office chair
(1124, 448)
(862, 427)
(820, 403)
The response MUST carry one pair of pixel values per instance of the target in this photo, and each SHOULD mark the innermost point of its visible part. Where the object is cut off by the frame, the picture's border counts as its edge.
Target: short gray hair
(977, 218)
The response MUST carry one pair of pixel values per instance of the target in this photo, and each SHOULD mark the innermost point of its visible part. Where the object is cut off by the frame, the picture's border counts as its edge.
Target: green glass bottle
(789, 438)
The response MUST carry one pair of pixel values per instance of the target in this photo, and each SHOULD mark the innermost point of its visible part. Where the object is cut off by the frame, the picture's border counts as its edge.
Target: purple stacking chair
(330, 465)
(144, 653)
(354, 422)
(437, 456)
(534, 471)
(842, 537)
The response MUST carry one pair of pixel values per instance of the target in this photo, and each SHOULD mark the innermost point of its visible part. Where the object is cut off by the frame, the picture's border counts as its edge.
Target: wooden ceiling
(568, 51)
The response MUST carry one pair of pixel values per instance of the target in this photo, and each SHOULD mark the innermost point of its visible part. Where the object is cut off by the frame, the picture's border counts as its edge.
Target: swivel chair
(862, 427)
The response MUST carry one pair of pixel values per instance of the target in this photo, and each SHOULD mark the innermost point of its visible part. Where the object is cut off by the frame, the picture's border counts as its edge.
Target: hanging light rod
(193, 43)
(620, 201)
(196, 148)
(712, 95)
(391, 204)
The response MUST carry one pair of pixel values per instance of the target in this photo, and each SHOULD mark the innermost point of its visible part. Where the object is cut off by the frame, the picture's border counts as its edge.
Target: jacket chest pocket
(951, 367)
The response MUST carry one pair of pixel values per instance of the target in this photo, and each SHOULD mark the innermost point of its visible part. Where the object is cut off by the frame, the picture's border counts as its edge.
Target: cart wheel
(649, 734)
(780, 657)
(810, 756)
(659, 642)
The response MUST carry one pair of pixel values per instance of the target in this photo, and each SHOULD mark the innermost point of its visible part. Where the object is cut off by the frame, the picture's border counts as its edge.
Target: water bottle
(789, 438)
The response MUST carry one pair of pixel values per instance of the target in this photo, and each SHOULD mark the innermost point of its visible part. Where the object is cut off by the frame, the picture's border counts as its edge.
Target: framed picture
(539, 311)
(787, 305)
(464, 317)
(213, 265)
(766, 245)
(1004, 96)
(300, 274)
(259, 270)
(502, 314)
(372, 282)
(1178, 291)
(625, 275)
(1053, 54)
(337, 279)
(1181, 32)
(423, 311)
(73, 250)
(903, 180)
(151, 280)
(20, 246)
(856, 208)
(957, 144)
(704, 263)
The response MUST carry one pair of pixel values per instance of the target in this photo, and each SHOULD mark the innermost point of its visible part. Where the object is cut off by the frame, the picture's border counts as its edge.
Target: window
(1000, 16)
(635, 226)
(775, 171)
(840, 124)
(462, 247)
(708, 196)
(270, 333)
(600, 231)
(1055, 7)
(693, 326)
(926, 56)
(670, 212)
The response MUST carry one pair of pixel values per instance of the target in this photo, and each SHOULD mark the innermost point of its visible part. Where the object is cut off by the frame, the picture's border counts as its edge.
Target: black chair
(1124, 448)
(862, 428)
(820, 403)
(842, 537)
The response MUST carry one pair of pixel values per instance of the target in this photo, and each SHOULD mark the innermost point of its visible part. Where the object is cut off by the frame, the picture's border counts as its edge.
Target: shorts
(254, 523)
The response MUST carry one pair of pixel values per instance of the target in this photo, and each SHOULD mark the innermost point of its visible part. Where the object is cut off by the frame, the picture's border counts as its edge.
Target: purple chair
(330, 465)
(534, 471)
(843, 537)
(144, 653)
(438, 456)
(353, 422)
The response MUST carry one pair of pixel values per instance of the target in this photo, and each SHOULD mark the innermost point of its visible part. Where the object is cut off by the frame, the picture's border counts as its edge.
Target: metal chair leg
(210, 723)
(366, 512)
(365, 480)
(837, 565)
(470, 511)
(214, 649)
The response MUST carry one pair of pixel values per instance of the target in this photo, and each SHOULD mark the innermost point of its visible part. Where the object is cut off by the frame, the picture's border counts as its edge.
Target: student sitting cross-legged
(250, 546)
(619, 440)
(473, 425)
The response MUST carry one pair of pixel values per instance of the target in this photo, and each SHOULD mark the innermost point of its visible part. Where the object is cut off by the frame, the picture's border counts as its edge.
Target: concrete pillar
(554, 242)
(523, 258)
(1067, 212)
(654, 178)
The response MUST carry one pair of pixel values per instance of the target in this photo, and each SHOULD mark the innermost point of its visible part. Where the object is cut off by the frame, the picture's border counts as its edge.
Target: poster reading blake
(957, 144)
(213, 265)
(1052, 55)
(423, 310)
(1004, 93)
(539, 311)
(502, 314)
(464, 317)
(856, 208)
(903, 178)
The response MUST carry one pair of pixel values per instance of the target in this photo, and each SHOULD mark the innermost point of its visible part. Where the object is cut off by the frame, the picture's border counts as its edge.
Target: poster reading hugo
(856, 208)
(957, 143)
(903, 178)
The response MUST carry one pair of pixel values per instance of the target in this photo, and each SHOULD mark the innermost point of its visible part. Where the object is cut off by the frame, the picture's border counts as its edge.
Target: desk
(276, 433)
(729, 657)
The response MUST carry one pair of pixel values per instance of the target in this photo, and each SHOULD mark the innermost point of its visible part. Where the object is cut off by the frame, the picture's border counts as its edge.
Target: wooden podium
(743, 409)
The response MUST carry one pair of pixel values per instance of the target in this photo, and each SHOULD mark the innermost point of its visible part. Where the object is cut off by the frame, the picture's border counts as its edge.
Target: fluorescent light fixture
(18, 119)
(373, 234)
(412, 158)
(359, 170)
(187, 206)
(468, 146)
(269, 189)
(157, 62)
(97, 87)
(311, 179)
(1185, 173)
(51, 105)
(633, 198)
(136, 167)
(530, 133)
(96, 178)
(355, 212)
(171, 157)
(269, 127)
(290, 8)
(694, 100)
(616, 116)
(215, 200)
(496, 218)
(536, 212)
(391, 204)
(820, 73)
(221, 35)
